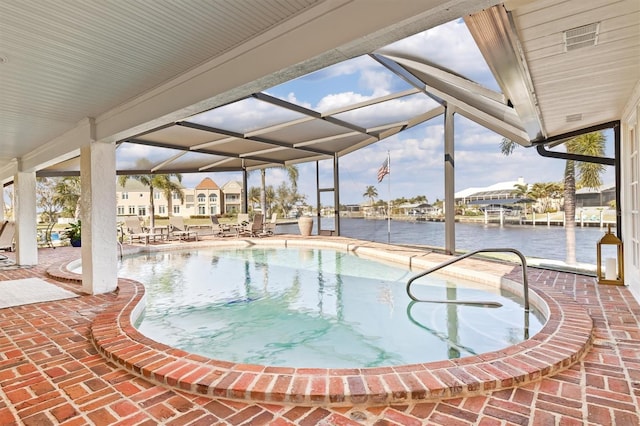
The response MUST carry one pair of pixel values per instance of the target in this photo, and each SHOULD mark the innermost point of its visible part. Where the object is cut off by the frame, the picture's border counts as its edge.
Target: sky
(416, 155)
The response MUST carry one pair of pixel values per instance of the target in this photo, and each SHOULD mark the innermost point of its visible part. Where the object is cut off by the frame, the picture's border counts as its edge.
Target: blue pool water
(305, 307)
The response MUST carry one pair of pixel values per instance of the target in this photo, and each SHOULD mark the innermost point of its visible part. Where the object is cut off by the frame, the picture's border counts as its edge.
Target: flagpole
(389, 200)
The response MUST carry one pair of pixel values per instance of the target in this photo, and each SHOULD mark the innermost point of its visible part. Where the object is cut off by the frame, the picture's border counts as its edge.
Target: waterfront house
(205, 199)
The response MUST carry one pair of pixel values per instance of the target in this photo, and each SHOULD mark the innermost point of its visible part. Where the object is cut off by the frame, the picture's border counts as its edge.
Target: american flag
(383, 170)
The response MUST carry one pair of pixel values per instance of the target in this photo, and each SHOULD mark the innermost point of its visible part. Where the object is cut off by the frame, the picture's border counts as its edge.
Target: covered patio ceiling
(282, 132)
(560, 66)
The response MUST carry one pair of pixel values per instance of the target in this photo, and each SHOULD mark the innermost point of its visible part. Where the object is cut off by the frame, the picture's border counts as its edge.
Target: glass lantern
(613, 272)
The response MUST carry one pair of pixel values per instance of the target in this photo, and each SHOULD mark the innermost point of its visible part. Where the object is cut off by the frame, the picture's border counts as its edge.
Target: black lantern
(614, 266)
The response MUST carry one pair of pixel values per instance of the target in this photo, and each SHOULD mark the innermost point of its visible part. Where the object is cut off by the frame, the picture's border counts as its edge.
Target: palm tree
(588, 175)
(263, 191)
(255, 195)
(544, 192)
(270, 197)
(170, 187)
(294, 174)
(152, 181)
(371, 193)
(521, 190)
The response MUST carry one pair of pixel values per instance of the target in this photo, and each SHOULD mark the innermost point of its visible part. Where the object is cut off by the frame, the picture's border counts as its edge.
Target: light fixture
(614, 266)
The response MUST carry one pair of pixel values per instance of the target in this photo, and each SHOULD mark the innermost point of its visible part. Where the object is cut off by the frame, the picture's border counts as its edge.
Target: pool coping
(563, 340)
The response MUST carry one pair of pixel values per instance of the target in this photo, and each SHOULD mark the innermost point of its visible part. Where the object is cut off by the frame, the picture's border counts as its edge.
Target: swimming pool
(310, 307)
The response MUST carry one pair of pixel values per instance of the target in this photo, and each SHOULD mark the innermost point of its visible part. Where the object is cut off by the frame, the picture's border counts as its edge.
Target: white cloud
(417, 158)
(452, 46)
(338, 100)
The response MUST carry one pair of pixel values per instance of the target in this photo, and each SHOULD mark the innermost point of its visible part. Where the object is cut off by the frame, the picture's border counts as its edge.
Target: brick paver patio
(51, 372)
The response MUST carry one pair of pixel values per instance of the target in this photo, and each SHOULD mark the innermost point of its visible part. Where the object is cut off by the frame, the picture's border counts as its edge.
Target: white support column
(449, 183)
(98, 215)
(2, 204)
(26, 218)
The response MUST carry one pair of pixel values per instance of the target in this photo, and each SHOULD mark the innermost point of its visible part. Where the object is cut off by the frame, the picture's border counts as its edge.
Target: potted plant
(74, 232)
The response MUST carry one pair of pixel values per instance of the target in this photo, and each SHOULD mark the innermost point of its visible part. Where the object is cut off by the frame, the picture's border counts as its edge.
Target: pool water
(322, 308)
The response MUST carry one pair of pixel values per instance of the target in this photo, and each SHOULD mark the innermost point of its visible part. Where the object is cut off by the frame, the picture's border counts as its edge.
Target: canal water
(540, 241)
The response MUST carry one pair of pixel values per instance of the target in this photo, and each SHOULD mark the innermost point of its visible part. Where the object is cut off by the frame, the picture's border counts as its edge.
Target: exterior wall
(232, 192)
(133, 202)
(136, 202)
(208, 201)
(196, 201)
(630, 191)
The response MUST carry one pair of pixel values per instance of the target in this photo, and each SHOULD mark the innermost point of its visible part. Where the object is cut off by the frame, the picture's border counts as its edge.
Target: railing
(488, 304)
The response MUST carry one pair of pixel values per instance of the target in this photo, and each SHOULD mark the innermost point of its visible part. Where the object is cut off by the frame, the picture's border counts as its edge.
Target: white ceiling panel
(591, 82)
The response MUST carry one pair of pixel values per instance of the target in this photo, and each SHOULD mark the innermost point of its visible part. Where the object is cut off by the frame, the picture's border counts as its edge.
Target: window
(120, 210)
(201, 209)
(162, 210)
(132, 209)
(213, 199)
(156, 195)
(213, 209)
(176, 209)
(175, 195)
(125, 195)
(142, 211)
(202, 198)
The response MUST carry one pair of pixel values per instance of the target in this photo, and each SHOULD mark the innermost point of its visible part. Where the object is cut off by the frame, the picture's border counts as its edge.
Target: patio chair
(254, 228)
(220, 229)
(270, 227)
(7, 235)
(177, 228)
(133, 230)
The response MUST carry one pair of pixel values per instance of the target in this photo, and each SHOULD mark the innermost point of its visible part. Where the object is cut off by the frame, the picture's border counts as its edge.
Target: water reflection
(545, 242)
(311, 307)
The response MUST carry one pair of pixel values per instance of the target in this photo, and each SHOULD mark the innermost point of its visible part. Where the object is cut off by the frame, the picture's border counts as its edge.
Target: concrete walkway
(51, 373)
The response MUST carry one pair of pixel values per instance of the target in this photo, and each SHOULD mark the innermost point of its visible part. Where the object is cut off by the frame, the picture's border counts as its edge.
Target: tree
(419, 199)
(170, 187)
(585, 174)
(152, 181)
(263, 191)
(68, 196)
(7, 202)
(255, 195)
(371, 193)
(521, 191)
(544, 192)
(46, 199)
(286, 198)
(293, 174)
(270, 197)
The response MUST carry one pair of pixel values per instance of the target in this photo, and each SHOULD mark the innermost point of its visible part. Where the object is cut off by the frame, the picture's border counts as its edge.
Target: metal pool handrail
(489, 304)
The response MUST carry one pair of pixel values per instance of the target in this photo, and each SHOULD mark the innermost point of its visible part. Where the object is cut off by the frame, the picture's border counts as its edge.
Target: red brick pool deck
(79, 361)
